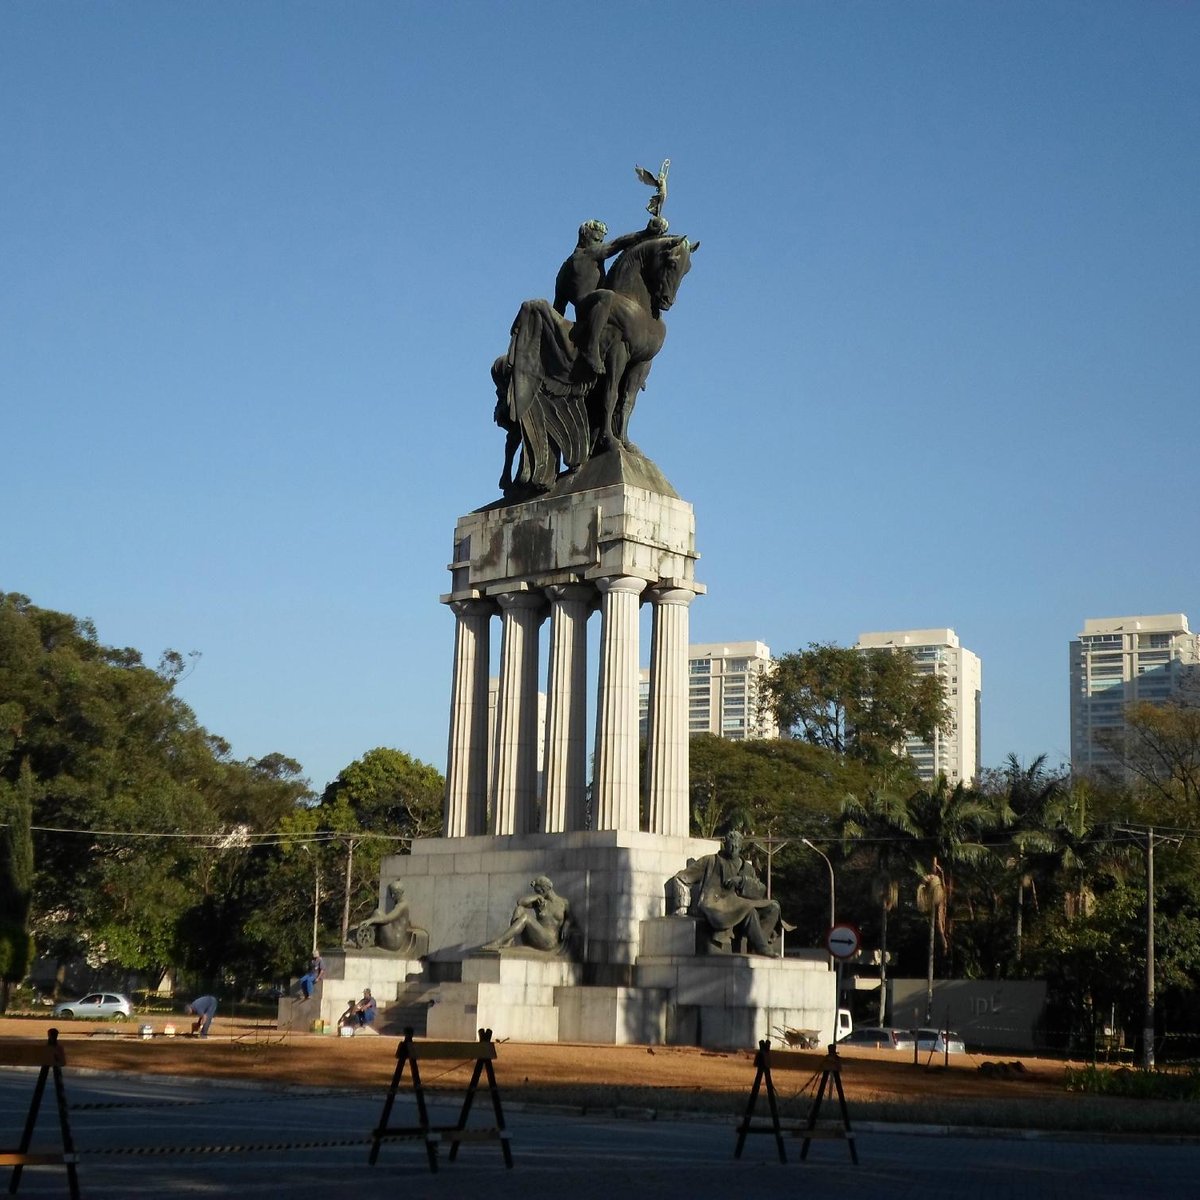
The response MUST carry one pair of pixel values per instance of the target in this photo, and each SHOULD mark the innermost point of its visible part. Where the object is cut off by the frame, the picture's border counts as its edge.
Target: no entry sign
(843, 941)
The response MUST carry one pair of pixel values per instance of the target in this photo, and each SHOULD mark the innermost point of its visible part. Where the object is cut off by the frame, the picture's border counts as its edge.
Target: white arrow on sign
(843, 941)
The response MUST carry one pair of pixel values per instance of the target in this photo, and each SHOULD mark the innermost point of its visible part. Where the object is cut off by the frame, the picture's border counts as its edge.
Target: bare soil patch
(665, 1077)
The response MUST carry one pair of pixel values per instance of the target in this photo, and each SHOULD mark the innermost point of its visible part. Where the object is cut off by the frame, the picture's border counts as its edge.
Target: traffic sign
(843, 940)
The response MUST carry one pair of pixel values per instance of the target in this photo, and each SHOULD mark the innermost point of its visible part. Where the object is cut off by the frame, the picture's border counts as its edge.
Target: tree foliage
(1159, 745)
(116, 766)
(16, 879)
(767, 784)
(858, 703)
(376, 806)
(389, 791)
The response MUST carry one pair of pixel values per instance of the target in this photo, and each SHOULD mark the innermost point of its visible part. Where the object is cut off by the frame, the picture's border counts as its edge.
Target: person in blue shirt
(366, 1008)
(204, 1008)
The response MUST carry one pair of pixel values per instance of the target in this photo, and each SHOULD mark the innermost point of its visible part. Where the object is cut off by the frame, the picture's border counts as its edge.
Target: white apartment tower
(955, 752)
(1117, 661)
(723, 691)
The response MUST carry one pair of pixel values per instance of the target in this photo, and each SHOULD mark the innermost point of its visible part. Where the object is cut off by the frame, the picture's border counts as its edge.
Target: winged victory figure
(658, 183)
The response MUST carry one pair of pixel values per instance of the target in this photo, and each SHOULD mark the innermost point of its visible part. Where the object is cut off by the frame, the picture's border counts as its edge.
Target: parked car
(937, 1041)
(879, 1037)
(96, 1004)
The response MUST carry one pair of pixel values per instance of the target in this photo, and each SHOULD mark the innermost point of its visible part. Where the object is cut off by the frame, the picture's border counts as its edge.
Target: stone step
(396, 1018)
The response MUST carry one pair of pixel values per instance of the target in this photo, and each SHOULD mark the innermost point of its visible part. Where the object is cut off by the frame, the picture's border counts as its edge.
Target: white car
(940, 1041)
(877, 1037)
(96, 1004)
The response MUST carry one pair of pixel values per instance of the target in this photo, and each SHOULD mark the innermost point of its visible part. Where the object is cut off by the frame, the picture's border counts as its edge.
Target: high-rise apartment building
(723, 690)
(1117, 661)
(954, 752)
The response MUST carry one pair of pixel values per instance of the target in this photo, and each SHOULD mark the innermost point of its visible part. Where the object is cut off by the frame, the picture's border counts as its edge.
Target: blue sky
(935, 364)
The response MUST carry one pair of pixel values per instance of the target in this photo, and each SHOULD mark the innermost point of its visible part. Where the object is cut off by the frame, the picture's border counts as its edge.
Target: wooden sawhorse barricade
(831, 1073)
(412, 1054)
(50, 1058)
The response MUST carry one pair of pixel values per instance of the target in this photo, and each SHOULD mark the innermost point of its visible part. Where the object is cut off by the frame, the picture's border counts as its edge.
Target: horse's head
(670, 264)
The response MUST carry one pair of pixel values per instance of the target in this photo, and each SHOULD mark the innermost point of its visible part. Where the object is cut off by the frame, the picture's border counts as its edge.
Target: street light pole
(832, 891)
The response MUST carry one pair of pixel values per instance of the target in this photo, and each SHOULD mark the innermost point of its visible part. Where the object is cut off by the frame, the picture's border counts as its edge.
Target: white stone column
(615, 785)
(564, 777)
(514, 789)
(465, 808)
(667, 745)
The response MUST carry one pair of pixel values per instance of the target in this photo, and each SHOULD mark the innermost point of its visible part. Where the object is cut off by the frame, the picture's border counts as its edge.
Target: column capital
(472, 608)
(668, 593)
(579, 593)
(519, 600)
(621, 583)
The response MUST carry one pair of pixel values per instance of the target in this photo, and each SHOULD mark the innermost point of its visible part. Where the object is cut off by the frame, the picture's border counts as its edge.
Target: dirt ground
(664, 1077)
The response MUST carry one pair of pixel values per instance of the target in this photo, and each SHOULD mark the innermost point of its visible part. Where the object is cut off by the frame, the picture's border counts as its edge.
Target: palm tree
(877, 831)
(951, 824)
(1030, 810)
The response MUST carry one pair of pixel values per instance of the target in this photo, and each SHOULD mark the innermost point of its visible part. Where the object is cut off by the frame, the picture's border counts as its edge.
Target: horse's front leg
(615, 363)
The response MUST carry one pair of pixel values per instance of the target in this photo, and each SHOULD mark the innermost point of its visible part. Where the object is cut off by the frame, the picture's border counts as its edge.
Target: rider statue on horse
(565, 389)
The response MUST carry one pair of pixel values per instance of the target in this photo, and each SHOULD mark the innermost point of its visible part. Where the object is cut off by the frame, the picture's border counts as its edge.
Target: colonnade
(497, 793)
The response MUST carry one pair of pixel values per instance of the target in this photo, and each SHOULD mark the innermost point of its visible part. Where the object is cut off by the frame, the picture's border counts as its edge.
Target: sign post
(843, 941)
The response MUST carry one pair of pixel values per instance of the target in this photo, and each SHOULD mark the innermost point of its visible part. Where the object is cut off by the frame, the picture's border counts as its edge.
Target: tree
(1160, 747)
(1029, 811)
(878, 836)
(16, 880)
(860, 703)
(391, 792)
(758, 785)
(241, 910)
(386, 792)
(120, 768)
(951, 824)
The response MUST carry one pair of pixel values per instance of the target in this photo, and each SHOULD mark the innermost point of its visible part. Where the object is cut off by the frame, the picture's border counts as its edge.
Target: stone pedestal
(588, 554)
(637, 975)
(347, 973)
(511, 993)
(733, 1001)
(463, 889)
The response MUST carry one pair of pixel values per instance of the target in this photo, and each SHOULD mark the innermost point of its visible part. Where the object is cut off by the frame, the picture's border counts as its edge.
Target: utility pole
(770, 843)
(348, 887)
(1148, 1024)
(1148, 1021)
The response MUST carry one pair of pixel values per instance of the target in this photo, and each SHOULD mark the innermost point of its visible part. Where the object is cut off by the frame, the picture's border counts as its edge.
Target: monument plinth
(609, 548)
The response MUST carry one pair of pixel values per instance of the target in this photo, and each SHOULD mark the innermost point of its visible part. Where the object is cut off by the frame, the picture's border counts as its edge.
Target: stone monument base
(638, 977)
(462, 890)
(512, 993)
(347, 974)
(730, 1001)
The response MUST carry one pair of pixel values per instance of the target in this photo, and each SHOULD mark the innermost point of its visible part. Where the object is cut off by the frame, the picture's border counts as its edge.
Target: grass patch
(1135, 1085)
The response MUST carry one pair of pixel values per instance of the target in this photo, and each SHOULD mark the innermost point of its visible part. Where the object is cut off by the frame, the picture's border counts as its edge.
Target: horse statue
(620, 327)
(566, 391)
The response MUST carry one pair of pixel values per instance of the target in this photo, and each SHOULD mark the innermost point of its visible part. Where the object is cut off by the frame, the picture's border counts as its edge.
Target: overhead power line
(231, 838)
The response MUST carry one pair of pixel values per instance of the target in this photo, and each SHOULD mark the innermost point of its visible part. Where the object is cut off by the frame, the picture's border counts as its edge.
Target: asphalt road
(556, 1154)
